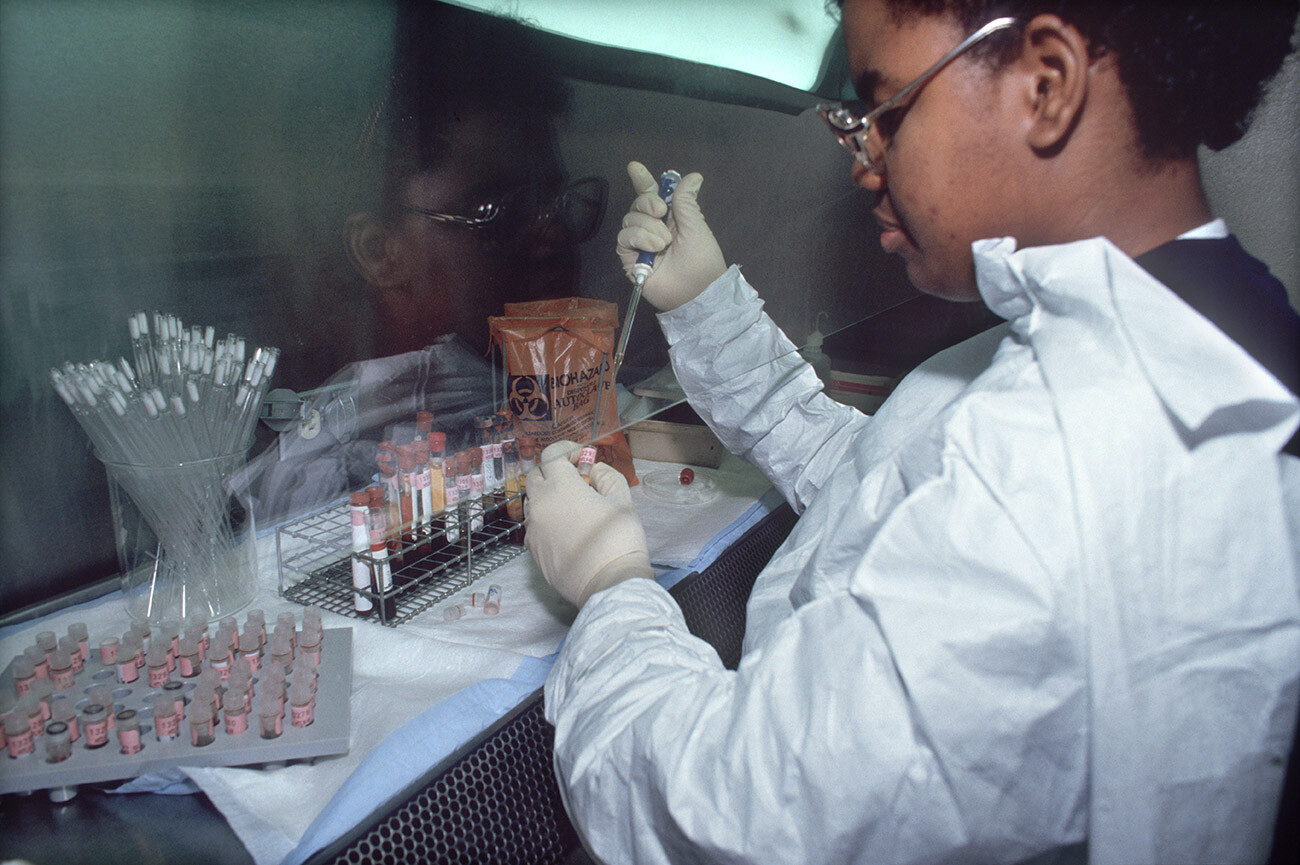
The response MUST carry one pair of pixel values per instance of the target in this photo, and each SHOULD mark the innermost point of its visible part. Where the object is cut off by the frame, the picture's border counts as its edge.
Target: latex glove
(688, 257)
(584, 538)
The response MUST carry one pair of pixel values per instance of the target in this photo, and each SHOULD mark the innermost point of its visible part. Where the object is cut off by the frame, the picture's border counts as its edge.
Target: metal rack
(315, 561)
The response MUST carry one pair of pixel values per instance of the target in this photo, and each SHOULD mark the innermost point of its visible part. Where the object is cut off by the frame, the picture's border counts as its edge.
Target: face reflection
(452, 277)
(950, 175)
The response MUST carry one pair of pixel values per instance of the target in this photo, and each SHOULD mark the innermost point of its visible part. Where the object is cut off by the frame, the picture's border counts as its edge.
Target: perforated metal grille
(713, 601)
(497, 804)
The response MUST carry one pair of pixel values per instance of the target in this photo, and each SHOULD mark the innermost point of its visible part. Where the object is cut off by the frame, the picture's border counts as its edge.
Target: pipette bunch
(187, 397)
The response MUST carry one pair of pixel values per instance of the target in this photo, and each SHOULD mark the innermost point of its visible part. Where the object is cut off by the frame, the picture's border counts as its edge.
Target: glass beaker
(185, 538)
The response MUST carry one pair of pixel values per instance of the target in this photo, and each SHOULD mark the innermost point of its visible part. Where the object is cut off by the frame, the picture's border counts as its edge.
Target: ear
(1055, 63)
(375, 252)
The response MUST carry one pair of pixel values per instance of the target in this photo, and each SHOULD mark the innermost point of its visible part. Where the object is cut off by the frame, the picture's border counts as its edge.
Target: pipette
(640, 272)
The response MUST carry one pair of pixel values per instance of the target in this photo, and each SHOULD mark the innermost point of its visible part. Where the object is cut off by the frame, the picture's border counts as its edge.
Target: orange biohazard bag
(558, 355)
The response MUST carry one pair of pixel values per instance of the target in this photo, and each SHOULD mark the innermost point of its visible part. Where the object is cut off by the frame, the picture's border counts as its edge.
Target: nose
(865, 178)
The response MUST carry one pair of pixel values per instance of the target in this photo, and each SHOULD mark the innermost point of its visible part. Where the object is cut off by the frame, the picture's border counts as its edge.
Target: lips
(892, 236)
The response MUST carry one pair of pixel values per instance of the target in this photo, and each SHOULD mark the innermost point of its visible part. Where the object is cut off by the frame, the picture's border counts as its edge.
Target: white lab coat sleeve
(817, 749)
(748, 382)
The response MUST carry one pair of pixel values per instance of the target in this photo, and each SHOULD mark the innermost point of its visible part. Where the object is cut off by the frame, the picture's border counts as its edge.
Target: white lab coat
(1046, 596)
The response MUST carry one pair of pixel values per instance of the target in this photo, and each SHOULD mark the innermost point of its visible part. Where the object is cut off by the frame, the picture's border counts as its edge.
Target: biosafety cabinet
(365, 186)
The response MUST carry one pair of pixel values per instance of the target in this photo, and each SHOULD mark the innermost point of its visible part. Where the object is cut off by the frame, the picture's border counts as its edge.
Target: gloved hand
(687, 255)
(584, 538)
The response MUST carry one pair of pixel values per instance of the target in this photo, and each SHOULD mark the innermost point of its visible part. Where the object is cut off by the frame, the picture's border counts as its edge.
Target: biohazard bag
(558, 355)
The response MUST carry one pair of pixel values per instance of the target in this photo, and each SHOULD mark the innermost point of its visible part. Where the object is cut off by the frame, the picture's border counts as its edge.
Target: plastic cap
(438, 441)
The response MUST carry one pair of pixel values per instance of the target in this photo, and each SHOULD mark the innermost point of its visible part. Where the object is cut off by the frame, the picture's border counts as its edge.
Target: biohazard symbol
(529, 397)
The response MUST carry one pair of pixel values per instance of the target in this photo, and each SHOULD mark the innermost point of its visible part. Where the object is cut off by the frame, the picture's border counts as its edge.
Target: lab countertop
(419, 691)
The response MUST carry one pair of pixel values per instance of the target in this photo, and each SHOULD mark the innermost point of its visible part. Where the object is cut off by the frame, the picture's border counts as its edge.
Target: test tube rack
(327, 734)
(315, 560)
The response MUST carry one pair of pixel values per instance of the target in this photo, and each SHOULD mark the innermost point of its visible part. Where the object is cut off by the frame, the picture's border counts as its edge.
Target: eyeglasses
(521, 215)
(862, 135)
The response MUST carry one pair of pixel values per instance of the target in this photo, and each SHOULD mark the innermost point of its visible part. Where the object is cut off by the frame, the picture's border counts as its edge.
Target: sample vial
(58, 742)
(236, 710)
(313, 616)
(513, 491)
(62, 675)
(66, 711)
(78, 632)
(477, 485)
(483, 425)
(128, 731)
(270, 714)
(309, 644)
(166, 720)
(169, 634)
(302, 704)
(382, 575)
(492, 603)
(304, 673)
(358, 508)
(202, 725)
(250, 650)
(257, 617)
(176, 691)
(187, 662)
(19, 740)
(423, 492)
(24, 674)
(108, 651)
(219, 659)
(156, 661)
(437, 482)
(586, 459)
(48, 641)
(102, 695)
(452, 613)
(42, 692)
(127, 671)
(40, 663)
(281, 651)
(70, 645)
(451, 497)
(141, 630)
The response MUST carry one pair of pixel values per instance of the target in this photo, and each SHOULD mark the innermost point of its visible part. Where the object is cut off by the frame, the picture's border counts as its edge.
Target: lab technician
(1044, 603)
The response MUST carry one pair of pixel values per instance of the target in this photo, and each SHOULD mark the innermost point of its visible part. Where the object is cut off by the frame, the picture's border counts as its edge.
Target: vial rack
(315, 559)
(327, 734)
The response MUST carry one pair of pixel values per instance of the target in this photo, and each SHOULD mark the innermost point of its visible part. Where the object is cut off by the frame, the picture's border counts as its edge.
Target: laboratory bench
(460, 771)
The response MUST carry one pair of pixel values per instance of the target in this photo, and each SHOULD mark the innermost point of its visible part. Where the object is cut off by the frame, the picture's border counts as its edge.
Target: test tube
(408, 494)
(58, 742)
(478, 483)
(423, 493)
(382, 576)
(166, 720)
(492, 603)
(358, 507)
(128, 731)
(437, 482)
(483, 425)
(451, 498)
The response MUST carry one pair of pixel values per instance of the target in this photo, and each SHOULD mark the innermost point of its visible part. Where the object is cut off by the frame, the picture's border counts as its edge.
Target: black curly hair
(1194, 69)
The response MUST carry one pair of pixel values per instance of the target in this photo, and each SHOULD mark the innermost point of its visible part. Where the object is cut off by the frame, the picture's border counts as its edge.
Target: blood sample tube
(156, 660)
(408, 494)
(70, 645)
(492, 603)
(586, 459)
(437, 483)
(358, 505)
(451, 498)
(250, 650)
(128, 731)
(94, 725)
(498, 453)
(505, 435)
(478, 481)
(108, 648)
(58, 742)
(302, 704)
(390, 486)
(235, 708)
(19, 740)
(78, 631)
(483, 425)
(382, 576)
(166, 720)
(270, 715)
(513, 492)
(187, 662)
(424, 486)
(202, 725)
(527, 457)
(24, 674)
